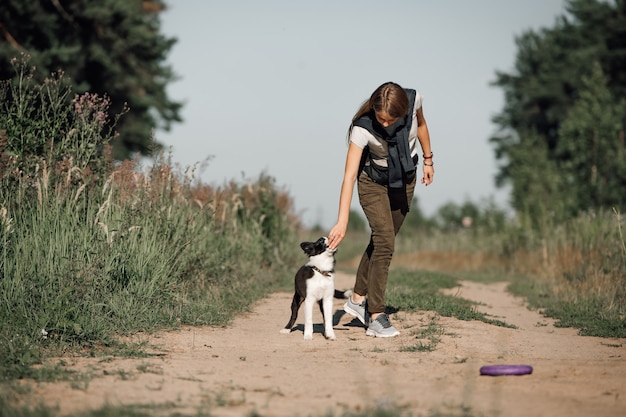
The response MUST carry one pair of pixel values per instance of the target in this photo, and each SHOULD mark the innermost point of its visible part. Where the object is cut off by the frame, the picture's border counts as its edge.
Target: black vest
(400, 165)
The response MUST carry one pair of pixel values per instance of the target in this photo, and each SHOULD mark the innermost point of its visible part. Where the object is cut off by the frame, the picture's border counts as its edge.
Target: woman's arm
(424, 137)
(353, 160)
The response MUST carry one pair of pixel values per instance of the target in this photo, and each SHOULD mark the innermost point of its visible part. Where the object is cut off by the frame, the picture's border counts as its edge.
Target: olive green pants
(385, 209)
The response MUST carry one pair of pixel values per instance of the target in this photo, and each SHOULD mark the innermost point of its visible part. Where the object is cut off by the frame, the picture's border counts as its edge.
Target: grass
(427, 337)
(588, 315)
(78, 274)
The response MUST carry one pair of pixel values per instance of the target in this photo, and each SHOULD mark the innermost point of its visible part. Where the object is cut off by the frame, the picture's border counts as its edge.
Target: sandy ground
(250, 367)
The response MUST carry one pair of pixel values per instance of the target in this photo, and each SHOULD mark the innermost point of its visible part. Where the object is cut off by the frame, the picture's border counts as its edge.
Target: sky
(270, 87)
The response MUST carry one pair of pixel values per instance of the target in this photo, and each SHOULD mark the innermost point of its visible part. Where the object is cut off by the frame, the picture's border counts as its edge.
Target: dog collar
(325, 273)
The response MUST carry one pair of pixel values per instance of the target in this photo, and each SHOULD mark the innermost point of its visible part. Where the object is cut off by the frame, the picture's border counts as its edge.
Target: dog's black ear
(308, 247)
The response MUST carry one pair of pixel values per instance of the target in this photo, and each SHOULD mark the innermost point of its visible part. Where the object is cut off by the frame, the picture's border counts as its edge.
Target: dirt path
(249, 367)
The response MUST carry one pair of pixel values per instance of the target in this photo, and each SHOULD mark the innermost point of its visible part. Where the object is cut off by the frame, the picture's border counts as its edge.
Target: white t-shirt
(362, 137)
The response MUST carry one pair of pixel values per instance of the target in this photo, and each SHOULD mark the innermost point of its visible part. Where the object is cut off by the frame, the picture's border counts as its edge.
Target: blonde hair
(389, 98)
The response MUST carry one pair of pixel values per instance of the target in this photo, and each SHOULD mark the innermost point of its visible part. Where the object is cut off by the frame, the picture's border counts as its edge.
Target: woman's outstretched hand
(336, 235)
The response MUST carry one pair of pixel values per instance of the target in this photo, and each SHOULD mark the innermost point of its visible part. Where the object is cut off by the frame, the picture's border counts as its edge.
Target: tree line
(559, 138)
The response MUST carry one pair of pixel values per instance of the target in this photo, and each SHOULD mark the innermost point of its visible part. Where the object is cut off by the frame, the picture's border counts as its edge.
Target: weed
(148, 368)
(421, 346)
(122, 374)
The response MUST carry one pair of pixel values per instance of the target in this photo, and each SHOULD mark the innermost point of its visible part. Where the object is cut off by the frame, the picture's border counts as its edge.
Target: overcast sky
(271, 86)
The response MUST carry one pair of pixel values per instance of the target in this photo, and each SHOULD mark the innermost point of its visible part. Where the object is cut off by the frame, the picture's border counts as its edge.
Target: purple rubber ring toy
(498, 370)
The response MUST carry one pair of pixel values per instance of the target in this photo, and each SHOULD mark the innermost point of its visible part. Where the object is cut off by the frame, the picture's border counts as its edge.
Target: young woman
(382, 156)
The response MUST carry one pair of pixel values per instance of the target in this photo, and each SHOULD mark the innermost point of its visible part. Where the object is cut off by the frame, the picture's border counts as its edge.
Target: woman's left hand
(429, 173)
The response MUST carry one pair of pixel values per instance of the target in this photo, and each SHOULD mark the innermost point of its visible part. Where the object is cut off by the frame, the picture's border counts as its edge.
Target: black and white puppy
(315, 283)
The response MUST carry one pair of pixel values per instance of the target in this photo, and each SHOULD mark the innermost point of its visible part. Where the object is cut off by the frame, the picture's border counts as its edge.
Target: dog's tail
(343, 294)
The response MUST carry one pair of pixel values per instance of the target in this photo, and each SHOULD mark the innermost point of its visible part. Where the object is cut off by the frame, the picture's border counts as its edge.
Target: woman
(382, 155)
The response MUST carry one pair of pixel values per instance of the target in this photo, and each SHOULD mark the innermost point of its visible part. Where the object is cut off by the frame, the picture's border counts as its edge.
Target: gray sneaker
(357, 310)
(381, 327)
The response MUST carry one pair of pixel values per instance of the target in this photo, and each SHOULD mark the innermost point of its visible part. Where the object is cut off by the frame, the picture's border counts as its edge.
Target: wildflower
(100, 117)
(44, 333)
(91, 107)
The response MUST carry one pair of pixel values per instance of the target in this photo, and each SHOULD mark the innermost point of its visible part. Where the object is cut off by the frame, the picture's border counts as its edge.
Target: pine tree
(537, 191)
(591, 146)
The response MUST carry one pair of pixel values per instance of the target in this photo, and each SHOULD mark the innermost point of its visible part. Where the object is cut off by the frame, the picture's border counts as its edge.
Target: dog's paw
(285, 331)
(331, 336)
(308, 336)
